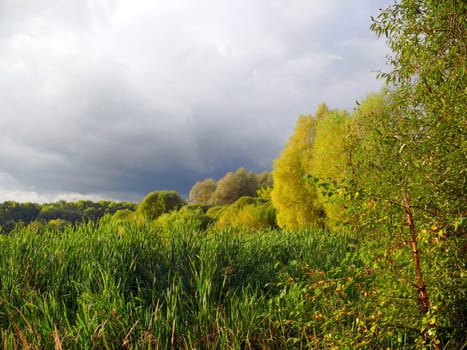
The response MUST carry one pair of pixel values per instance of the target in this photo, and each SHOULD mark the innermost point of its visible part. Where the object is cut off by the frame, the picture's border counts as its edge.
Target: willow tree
(233, 186)
(413, 161)
(202, 191)
(294, 197)
(331, 164)
(428, 86)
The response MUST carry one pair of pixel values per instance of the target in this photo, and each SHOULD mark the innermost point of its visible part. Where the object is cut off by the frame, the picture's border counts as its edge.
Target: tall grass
(120, 285)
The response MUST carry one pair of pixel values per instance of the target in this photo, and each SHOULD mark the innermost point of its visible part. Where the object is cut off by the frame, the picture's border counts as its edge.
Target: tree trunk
(422, 293)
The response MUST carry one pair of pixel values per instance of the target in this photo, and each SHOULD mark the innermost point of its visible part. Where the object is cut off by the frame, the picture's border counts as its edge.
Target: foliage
(410, 168)
(248, 212)
(264, 193)
(94, 287)
(330, 166)
(123, 214)
(295, 199)
(265, 185)
(426, 130)
(202, 191)
(214, 211)
(121, 284)
(265, 180)
(13, 212)
(187, 218)
(74, 212)
(57, 224)
(233, 186)
(159, 202)
(230, 187)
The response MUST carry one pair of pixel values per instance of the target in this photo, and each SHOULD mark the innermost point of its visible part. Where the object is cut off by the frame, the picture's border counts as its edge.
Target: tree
(60, 210)
(202, 191)
(12, 212)
(233, 186)
(295, 198)
(411, 162)
(188, 219)
(122, 215)
(248, 212)
(428, 93)
(265, 180)
(331, 163)
(58, 225)
(159, 202)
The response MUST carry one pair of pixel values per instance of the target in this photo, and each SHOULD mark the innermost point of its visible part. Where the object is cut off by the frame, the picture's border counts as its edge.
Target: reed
(122, 285)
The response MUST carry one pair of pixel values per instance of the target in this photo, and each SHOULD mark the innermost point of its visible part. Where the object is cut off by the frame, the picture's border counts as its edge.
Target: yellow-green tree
(294, 197)
(330, 163)
(188, 219)
(159, 202)
(248, 212)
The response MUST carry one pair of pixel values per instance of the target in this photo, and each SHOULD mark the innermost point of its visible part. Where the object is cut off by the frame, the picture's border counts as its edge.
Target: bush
(187, 219)
(159, 202)
(250, 212)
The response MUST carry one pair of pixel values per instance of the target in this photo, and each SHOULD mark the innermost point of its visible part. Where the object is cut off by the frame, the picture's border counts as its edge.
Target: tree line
(240, 199)
(204, 194)
(17, 215)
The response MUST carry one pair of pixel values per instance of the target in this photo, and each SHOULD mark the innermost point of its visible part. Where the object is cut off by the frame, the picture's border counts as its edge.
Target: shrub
(254, 213)
(159, 202)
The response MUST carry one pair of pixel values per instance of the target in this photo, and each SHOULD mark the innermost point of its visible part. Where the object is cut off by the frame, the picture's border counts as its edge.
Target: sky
(112, 99)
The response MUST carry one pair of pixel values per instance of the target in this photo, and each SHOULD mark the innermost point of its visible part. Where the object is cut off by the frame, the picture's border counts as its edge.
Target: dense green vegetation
(123, 285)
(357, 241)
(14, 215)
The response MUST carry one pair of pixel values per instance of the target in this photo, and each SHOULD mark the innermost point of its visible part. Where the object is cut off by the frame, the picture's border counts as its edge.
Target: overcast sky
(117, 98)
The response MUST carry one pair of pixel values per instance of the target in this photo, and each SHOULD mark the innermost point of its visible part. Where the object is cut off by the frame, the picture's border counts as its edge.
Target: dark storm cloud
(117, 98)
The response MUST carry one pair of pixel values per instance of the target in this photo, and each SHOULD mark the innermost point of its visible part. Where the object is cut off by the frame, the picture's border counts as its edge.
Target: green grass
(124, 286)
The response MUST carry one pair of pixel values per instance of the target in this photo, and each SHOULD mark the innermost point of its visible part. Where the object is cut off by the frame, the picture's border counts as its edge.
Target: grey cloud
(118, 98)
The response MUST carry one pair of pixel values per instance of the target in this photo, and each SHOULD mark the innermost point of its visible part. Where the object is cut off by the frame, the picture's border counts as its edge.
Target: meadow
(119, 285)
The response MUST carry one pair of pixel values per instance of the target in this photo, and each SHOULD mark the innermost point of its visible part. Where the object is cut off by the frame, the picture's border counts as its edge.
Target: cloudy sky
(117, 98)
